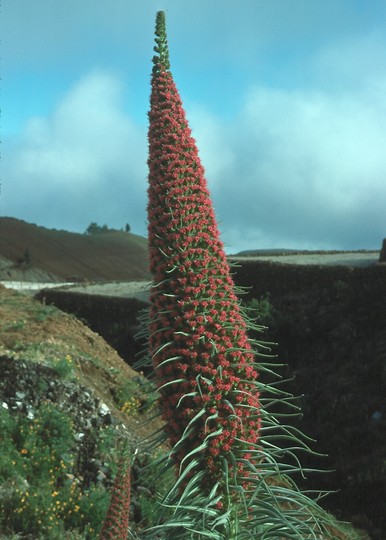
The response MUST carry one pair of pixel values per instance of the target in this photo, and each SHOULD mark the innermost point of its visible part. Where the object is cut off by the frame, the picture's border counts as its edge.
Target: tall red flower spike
(229, 483)
(116, 523)
(198, 339)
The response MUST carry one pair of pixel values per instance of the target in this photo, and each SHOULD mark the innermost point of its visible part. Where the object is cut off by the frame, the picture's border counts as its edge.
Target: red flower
(195, 312)
(116, 523)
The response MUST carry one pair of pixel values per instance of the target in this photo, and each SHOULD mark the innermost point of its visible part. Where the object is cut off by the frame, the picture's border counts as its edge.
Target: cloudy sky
(286, 99)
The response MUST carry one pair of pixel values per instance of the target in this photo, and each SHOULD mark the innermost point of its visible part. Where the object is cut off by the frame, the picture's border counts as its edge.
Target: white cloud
(294, 168)
(302, 168)
(86, 162)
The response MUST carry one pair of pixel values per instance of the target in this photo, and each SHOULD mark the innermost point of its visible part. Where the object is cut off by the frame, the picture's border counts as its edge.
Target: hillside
(59, 255)
(67, 400)
(55, 255)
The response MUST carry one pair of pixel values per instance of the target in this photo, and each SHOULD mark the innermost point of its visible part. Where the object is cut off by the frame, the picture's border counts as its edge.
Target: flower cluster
(131, 406)
(116, 523)
(198, 342)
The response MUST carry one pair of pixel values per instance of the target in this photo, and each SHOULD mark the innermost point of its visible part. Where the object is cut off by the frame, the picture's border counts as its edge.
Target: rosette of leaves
(233, 471)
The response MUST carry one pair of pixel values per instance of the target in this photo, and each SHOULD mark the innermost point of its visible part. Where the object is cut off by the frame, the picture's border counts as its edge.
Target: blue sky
(286, 99)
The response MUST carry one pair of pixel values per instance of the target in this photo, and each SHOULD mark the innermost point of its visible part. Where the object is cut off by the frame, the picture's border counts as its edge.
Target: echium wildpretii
(116, 522)
(198, 337)
(229, 483)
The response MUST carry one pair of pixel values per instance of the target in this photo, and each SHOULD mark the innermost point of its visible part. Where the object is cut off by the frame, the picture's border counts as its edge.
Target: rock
(101, 476)
(104, 409)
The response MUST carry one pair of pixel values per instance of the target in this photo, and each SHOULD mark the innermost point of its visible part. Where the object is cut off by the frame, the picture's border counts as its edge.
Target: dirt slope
(60, 254)
(45, 335)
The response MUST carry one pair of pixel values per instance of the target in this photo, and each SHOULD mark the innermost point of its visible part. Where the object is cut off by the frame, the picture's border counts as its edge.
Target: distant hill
(34, 253)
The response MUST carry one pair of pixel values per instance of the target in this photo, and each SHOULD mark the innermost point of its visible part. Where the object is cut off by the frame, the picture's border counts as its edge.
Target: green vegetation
(94, 228)
(42, 488)
(58, 462)
(136, 396)
(64, 367)
(261, 310)
(34, 310)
